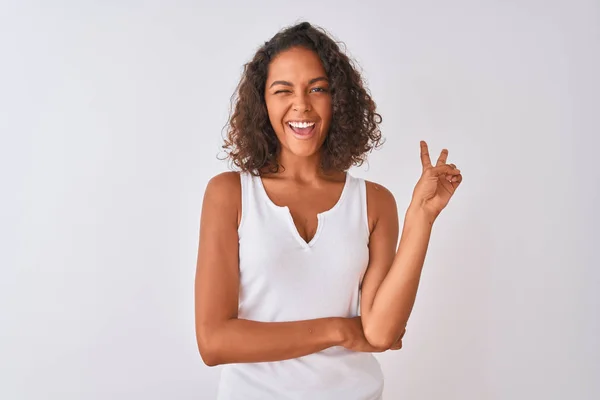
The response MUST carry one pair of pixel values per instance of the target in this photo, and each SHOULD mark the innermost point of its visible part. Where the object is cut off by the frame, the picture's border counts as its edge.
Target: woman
(298, 279)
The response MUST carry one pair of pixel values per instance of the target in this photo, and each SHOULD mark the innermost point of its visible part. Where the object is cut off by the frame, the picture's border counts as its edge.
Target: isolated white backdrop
(111, 115)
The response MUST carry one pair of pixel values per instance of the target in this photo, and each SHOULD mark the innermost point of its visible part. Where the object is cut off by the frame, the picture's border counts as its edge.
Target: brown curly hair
(251, 143)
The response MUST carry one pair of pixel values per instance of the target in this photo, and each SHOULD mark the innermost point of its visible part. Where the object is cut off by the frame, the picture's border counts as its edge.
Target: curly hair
(251, 143)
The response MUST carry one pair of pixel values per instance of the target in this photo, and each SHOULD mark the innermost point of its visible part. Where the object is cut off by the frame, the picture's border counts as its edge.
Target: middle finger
(442, 158)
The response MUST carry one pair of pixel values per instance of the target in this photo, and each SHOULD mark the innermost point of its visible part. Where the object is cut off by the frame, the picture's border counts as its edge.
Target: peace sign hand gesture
(437, 184)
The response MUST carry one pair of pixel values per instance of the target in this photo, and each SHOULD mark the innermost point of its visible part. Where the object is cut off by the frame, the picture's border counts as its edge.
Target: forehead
(296, 64)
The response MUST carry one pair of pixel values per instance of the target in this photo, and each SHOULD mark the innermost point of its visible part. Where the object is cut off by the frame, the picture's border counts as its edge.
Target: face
(298, 101)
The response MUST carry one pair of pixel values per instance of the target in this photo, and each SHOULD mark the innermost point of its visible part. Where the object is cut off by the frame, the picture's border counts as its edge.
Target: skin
(392, 278)
(295, 90)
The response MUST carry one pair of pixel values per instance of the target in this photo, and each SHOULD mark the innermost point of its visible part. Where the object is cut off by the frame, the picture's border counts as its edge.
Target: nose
(302, 103)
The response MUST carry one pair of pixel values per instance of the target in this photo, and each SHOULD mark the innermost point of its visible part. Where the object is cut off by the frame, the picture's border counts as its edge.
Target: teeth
(301, 124)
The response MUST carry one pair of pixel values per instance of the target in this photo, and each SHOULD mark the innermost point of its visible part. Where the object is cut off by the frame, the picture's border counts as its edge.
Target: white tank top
(284, 278)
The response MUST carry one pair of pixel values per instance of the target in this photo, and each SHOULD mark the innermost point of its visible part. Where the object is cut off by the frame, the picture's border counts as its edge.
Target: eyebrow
(286, 83)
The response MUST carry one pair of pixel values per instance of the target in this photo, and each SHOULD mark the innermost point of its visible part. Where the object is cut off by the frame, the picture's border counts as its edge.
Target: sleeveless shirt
(284, 278)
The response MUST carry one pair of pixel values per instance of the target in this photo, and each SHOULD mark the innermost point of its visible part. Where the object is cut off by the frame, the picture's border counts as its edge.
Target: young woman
(298, 277)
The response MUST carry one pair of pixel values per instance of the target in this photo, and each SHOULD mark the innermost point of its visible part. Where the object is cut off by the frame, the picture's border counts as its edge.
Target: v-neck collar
(320, 216)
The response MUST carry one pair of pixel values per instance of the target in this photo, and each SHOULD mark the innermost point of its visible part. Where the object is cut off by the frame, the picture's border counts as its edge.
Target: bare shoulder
(381, 203)
(223, 193)
(380, 196)
(224, 184)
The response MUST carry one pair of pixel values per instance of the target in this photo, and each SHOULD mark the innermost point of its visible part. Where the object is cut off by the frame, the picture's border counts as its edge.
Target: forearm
(395, 297)
(244, 341)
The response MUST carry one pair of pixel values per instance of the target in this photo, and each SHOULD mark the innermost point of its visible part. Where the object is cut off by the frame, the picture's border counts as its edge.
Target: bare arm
(391, 283)
(222, 337)
(392, 279)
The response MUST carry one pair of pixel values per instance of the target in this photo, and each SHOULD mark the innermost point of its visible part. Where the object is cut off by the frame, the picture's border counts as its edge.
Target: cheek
(324, 107)
(276, 112)
(325, 112)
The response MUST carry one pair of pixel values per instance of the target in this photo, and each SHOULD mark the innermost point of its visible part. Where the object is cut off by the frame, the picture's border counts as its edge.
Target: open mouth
(302, 128)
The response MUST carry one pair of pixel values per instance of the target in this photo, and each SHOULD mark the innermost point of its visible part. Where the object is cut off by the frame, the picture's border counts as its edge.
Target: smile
(301, 124)
(302, 129)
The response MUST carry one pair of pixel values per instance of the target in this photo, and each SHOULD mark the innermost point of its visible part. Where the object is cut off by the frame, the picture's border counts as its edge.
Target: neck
(300, 168)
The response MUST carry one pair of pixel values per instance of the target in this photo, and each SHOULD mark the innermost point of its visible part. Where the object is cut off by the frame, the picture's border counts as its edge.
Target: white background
(111, 116)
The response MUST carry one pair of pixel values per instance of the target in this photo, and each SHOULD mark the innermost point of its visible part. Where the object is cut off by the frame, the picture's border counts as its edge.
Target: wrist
(339, 331)
(417, 214)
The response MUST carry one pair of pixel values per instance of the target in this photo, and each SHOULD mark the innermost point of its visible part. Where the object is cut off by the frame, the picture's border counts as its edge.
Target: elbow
(379, 340)
(381, 343)
(209, 358)
(208, 350)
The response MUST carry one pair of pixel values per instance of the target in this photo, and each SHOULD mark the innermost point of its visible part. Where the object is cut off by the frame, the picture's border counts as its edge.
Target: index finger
(425, 160)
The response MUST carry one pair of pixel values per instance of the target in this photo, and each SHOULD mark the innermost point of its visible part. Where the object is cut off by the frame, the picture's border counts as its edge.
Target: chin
(303, 152)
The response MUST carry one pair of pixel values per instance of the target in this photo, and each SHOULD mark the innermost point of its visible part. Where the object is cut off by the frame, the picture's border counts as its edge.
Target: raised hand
(437, 184)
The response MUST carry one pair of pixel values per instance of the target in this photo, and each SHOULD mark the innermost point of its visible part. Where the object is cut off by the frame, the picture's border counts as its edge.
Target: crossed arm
(224, 338)
(389, 287)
